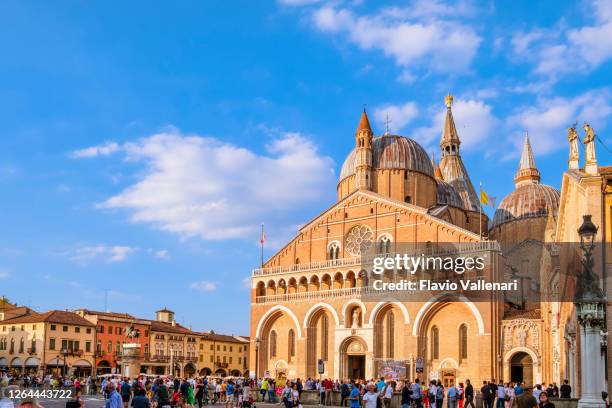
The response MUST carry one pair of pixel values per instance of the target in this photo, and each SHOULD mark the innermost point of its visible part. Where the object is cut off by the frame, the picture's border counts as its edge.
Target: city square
(390, 204)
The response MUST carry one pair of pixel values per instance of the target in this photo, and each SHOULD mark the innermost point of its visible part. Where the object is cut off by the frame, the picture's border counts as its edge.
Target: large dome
(392, 152)
(526, 201)
(447, 195)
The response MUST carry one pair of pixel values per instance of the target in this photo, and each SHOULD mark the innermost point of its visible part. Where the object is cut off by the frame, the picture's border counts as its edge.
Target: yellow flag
(484, 198)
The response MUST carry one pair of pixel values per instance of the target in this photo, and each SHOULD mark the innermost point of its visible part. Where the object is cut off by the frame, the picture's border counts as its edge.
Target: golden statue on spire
(448, 100)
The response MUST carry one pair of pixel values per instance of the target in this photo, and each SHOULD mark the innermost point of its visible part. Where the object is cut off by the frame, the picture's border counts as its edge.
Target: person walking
(469, 394)
(525, 399)
(417, 394)
(566, 390)
(508, 395)
(354, 395)
(487, 394)
(140, 399)
(501, 395)
(287, 395)
(344, 393)
(126, 392)
(114, 398)
(452, 396)
(439, 394)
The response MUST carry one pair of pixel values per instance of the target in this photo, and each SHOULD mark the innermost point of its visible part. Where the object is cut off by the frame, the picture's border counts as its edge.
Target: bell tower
(363, 154)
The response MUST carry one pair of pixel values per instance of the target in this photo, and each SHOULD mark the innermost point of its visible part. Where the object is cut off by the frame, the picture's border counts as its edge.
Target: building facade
(313, 312)
(111, 333)
(53, 342)
(223, 355)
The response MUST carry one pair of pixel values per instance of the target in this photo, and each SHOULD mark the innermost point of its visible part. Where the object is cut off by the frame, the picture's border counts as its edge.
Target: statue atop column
(572, 138)
(590, 165)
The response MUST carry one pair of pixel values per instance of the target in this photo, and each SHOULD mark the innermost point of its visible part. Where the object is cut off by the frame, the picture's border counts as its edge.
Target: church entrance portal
(521, 368)
(356, 367)
(448, 377)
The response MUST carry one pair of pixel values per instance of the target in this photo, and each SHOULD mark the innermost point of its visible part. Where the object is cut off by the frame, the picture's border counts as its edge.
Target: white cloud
(106, 253)
(4, 274)
(563, 50)
(105, 149)
(204, 286)
(197, 186)
(407, 77)
(298, 2)
(548, 120)
(399, 115)
(412, 39)
(474, 121)
(246, 282)
(162, 254)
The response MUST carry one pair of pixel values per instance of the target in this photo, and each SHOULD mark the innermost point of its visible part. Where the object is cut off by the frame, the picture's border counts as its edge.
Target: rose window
(359, 240)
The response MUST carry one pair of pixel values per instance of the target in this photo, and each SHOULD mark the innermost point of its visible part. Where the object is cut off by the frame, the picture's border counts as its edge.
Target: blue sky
(143, 143)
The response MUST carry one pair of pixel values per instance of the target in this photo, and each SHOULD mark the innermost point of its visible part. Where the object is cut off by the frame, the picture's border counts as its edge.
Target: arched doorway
(220, 373)
(274, 336)
(190, 369)
(319, 341)
(235, 373)
(205, 372)
(521, 368)
(104, 367)
(353, 358)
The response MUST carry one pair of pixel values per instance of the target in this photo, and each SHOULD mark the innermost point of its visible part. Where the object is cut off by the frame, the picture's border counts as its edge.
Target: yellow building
(52, 342)
(173, 348)
(222, 355)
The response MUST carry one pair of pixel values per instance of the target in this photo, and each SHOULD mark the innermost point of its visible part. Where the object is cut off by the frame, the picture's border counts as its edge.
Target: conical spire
(364, 123)
(437, 172)
(450, 139)
(527, 171)
(527, 161)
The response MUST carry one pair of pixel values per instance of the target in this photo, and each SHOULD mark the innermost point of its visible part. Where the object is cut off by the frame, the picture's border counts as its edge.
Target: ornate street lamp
(589, 301)
(256, 358)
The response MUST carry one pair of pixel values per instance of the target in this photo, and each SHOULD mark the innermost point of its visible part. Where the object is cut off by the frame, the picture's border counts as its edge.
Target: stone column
(591, 367)
(131, 360)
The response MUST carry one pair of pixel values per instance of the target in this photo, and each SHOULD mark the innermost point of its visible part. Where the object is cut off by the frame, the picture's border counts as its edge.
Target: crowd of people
(172, 392)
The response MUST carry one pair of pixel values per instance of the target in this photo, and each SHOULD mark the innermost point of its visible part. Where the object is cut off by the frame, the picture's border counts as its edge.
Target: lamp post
(589, 301)
(64, 353)
(256, 358)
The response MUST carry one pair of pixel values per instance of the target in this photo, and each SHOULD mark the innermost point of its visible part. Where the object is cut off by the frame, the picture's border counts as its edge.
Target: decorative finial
(387, 121)
(448, 100)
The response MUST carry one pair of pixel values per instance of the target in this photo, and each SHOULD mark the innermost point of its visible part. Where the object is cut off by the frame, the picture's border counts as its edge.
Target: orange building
(111, 334)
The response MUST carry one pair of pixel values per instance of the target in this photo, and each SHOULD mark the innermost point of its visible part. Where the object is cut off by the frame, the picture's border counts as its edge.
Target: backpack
(440, 393)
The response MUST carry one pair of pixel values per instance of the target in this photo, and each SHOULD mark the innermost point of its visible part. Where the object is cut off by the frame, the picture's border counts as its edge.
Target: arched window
(334, 251)
(435, 343)
(463, 336)
(324, 337)
(384, 245)
(272, 343)
(390, 334)
(291, 337)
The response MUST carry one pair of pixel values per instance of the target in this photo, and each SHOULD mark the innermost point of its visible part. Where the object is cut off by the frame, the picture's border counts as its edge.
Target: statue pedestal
(130, 357)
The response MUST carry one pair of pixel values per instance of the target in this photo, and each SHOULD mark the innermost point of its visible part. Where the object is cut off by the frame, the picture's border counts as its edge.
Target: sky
(142, 144)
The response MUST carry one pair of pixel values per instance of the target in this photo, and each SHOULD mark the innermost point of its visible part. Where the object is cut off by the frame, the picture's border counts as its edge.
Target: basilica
(314, 312)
